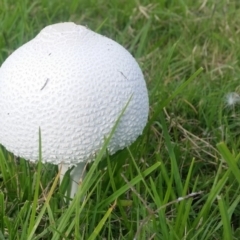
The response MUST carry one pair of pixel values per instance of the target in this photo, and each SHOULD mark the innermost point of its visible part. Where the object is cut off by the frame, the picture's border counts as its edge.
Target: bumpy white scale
(72, 83)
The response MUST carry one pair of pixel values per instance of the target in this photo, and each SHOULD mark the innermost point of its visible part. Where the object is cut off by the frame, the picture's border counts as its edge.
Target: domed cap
(72, 83)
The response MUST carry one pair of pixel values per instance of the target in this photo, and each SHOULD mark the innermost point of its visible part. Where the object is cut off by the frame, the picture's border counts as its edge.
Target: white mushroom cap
(72, 83)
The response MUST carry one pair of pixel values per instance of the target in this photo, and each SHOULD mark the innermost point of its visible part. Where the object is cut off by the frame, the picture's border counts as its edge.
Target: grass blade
(99, 227)
(230, 160)
(37, 184)
(2, 212)
(227, 231)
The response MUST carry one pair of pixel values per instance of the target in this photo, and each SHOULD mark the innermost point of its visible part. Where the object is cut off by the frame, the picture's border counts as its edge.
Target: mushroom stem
(76, 176)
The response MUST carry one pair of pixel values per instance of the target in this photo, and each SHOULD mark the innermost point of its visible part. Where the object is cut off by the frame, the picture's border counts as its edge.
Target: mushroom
(73, 83)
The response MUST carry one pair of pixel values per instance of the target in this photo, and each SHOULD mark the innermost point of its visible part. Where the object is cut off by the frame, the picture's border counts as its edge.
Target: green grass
(181, 178)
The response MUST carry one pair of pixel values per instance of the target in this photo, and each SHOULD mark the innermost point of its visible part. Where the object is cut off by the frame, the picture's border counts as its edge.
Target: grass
(180, 179)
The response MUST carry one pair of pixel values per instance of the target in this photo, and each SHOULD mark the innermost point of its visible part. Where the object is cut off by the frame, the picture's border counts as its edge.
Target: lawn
(181, 178)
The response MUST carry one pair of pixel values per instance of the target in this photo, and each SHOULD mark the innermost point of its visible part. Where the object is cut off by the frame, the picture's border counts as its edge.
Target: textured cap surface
(72, 83)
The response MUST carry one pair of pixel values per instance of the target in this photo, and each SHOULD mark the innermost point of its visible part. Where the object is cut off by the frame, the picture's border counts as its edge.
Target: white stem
(76, 175)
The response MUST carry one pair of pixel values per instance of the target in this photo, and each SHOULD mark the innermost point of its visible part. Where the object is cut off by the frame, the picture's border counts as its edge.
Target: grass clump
(180, 179)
